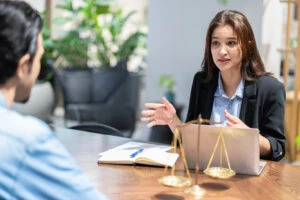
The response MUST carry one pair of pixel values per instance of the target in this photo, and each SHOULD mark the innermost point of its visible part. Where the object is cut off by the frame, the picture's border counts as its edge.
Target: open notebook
(139, 153)
(242, 147)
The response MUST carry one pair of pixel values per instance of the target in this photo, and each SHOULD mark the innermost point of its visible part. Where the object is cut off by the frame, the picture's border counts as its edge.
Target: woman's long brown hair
(252, 65)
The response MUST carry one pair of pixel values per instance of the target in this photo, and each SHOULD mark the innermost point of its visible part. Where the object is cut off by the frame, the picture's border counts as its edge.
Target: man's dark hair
(19, 28)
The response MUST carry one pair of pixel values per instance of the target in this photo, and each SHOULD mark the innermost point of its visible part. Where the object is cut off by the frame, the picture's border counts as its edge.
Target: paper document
(139, 153)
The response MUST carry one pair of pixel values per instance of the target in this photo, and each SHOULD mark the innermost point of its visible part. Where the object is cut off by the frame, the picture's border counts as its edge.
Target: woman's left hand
(233, 121)
(264, 144)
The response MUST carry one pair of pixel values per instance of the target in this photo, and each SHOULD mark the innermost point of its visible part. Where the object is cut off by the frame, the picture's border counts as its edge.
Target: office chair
(90, 96)
(97, 128)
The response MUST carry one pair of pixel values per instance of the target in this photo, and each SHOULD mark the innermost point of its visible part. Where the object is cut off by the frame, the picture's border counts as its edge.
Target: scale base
(196, 191)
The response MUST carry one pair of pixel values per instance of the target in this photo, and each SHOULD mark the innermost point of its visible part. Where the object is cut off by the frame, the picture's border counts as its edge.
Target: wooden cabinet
(292, 113)
(290, 133)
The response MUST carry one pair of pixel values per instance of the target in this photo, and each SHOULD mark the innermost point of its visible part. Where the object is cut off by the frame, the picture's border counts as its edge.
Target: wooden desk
(277, 181)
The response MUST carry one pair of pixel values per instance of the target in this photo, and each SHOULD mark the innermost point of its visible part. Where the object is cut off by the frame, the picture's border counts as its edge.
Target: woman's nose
(223, 49)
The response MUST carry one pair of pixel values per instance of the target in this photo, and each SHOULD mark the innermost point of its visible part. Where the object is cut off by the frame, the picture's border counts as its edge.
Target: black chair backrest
(97, 128)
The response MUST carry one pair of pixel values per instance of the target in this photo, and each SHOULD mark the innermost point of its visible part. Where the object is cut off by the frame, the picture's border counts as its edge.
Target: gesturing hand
(234, 121)
(159, 113)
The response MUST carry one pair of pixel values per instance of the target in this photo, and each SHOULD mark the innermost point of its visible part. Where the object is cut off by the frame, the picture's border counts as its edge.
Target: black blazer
(262, 107)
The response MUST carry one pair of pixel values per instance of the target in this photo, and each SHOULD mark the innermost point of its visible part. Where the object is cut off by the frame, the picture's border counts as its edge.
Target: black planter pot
(76, 84)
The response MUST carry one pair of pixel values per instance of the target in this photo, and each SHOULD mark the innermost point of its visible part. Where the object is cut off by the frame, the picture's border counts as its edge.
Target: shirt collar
(2, 101)
(239, 92)
(240, 89)
(220, 90)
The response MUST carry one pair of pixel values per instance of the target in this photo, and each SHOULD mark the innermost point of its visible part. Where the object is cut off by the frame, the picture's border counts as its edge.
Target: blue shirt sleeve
(49, 172)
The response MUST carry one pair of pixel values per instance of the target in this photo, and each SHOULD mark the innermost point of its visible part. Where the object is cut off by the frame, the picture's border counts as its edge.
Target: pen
(136, 153)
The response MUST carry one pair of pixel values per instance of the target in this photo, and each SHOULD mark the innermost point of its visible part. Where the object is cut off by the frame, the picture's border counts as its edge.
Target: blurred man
(33, 163)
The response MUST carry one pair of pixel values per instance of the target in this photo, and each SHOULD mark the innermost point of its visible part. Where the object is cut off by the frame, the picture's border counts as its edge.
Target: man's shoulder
(24, 128)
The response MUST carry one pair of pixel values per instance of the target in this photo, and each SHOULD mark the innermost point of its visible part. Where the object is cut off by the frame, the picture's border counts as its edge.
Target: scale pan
(175, 181)
(219, 172)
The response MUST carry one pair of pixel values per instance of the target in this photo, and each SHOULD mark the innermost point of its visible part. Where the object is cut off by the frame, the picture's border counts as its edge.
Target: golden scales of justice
(215, 172)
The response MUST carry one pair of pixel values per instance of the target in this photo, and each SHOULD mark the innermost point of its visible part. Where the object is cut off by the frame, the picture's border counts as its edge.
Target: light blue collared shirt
(223, 102)
(34, 164)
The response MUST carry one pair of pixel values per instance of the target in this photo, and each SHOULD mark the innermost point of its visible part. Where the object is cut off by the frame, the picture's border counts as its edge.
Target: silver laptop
(242, 147)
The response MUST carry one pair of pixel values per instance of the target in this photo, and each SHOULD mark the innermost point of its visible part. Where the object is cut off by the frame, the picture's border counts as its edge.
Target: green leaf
(103, 50)
(128, 47)
(297, 141)
(167, 81)
(62, 21)
(223, 2)
(65, 5)
(73, 48)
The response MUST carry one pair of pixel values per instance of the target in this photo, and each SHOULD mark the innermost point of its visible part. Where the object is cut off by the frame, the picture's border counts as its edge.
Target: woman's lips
(224, 60)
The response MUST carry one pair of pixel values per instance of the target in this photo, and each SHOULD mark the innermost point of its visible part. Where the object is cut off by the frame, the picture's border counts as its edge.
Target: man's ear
(23, 66)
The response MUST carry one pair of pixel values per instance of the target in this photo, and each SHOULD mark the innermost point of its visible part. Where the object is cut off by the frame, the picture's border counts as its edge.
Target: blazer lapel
(248, 103)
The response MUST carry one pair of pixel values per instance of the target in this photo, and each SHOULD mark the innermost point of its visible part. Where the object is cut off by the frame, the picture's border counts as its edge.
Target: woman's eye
(215, 44)
(231, 43)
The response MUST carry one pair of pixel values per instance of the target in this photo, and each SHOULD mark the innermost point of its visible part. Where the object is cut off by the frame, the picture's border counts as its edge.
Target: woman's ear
(23, 66)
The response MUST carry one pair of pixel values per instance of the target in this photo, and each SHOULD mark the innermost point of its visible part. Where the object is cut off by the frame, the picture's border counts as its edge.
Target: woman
(232, 87)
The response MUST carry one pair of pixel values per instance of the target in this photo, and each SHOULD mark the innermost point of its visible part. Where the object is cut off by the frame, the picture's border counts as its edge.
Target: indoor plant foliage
(115, 48)
(167, 81)
(98, 35)
(73, 46)
(46, 72)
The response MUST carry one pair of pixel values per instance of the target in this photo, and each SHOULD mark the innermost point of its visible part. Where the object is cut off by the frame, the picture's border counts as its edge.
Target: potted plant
(115, 49)
(167, 82)
(72, 49)
(110, 78)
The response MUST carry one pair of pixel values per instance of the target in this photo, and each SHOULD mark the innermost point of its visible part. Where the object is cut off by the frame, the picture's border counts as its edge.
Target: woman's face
(225, 50)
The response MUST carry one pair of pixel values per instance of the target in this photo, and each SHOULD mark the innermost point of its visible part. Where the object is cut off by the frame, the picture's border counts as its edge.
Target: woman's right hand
(159, 113)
